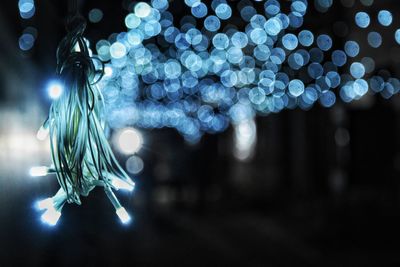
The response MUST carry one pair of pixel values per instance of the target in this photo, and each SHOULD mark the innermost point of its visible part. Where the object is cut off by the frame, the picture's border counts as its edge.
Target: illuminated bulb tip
(77, 48)
(51, 216)
(38, 171)
(121, 184)
(44, 204)
(55, 90)
(123, 215)
(42, 133)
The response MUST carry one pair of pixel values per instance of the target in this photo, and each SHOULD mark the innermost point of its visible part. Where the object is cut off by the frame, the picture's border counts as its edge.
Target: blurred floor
(91, 235)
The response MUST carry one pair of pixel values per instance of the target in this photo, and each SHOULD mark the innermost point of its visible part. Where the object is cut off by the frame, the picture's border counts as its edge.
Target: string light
(45, 204)
(118, 183)
(51, 216)
(38, 171)
(54, 89)
(123, 215)
(82, 157)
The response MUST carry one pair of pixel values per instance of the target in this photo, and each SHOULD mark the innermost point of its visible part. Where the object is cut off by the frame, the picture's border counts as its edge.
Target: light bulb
(45, 204)
(42, 133)
(38, 171)
(55, 90)
(123, 215)
(121, 184)
(51, 216)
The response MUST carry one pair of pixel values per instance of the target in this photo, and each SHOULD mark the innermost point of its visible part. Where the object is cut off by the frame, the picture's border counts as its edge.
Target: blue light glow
(385, 17)
(223, 11)
(26, 8)
(374, 39)
(142, 10)
(198, 72)
(357, 70)
(290, 41)
(362, 19)
(352, 48)
(26, 41)
(397, 36)
(306, 38)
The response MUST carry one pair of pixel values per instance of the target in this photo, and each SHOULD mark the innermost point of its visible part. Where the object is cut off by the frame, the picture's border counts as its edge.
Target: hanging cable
(81, 155)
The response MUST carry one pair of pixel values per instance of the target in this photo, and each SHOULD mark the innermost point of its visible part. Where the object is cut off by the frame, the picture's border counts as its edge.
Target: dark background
(322, 188)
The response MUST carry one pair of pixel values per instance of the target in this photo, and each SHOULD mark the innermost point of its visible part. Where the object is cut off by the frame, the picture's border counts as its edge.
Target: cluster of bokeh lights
(201, 76)
(204, 70)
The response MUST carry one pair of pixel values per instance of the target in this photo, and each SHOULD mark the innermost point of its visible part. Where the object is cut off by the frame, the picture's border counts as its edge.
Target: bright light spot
(38, 171)
(108, 71)
(123, 215)
(45, 204)
(121, 184)
(54, 90)
(42, 133)
(245, 139)
(77, 48)
(117, 50)
(51, 216)
(129, 141)
(25, 6)
(142, 10)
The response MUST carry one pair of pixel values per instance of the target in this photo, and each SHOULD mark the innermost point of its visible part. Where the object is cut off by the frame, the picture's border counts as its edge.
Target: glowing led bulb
(51, 216)
(121, 184)
(42, 133)
(77, 48)
(55, 90)
(38, 171)
(123, 215)
(45, 204)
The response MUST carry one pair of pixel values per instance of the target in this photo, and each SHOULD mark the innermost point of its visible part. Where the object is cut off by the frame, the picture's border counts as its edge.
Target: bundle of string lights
(82, 157)
(195, 77)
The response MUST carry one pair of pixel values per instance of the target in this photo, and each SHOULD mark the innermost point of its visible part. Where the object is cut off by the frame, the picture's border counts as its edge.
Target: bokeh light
(128, 140)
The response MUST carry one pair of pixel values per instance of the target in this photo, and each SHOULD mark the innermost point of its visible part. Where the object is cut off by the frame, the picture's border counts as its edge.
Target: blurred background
(297, 188)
